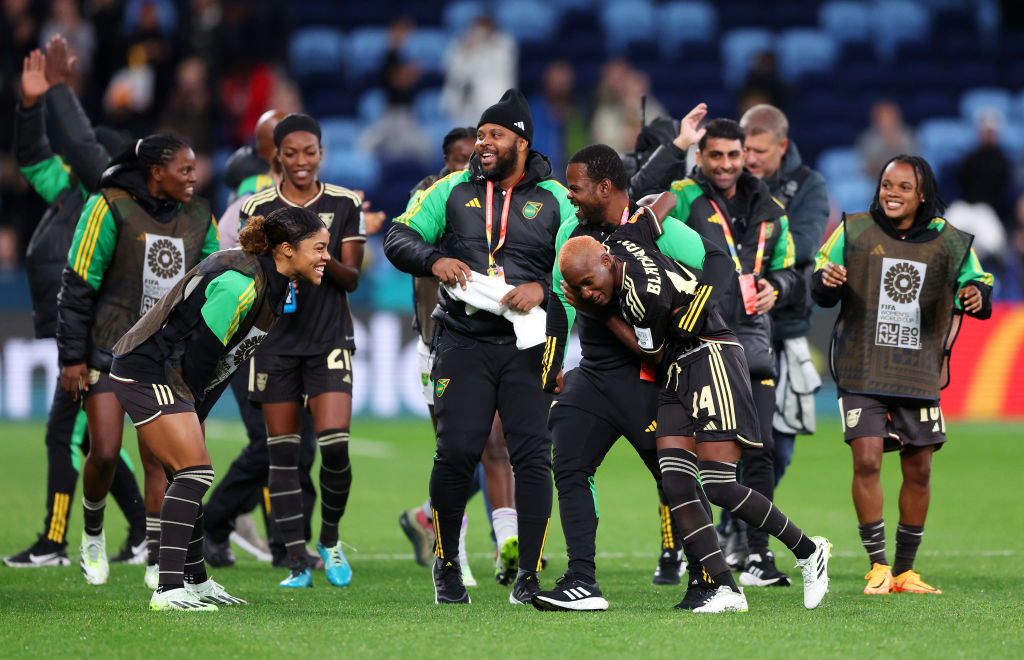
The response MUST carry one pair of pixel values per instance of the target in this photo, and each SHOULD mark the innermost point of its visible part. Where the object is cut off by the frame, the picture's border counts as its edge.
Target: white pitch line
(648, 555)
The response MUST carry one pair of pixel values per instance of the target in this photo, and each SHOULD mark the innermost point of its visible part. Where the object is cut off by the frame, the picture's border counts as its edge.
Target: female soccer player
(904, 277)
(308, 359)
(136, 237)
(172, 366)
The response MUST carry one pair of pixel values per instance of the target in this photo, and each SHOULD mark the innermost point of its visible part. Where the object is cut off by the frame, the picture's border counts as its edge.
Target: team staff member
(499, 217)
(135, 239)
(770, 155)
(705, 412)
(904, 277)
(609, 395)
(309, 355)
(734, 210)
(172, 366)
(44, 91)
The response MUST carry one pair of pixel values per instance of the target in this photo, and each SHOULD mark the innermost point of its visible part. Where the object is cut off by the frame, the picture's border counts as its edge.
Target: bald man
(706, 411)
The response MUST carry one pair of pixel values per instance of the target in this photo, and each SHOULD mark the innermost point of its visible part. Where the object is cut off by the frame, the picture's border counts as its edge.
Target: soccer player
(135, 239)
(904, 278)
(705, 412)
(609, 395)
(498, 219)
(308, 358)
(172, 366)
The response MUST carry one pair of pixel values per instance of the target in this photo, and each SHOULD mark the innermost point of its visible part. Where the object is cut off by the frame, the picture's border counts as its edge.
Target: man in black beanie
(489, 227)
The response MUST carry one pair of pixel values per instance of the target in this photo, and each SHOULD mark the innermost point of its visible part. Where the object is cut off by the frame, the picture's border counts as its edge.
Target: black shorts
(144, 402)
(900, 423)
(283, 378)
(708, 396)
(99, 383)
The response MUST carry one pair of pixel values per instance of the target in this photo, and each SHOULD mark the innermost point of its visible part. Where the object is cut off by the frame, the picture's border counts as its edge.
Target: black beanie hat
(512, 112)
(295, 122)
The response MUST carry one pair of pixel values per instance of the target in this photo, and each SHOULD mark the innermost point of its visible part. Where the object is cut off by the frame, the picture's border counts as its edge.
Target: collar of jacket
(790, 162)
(919, 232)
(538, 168)
(277, 284)
(134, 182)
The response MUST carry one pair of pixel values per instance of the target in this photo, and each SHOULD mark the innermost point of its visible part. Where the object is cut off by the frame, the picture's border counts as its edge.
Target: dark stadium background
(943, 62)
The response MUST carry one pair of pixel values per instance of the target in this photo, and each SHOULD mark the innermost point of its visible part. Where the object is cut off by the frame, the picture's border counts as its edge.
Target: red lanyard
(492, 267)
(758, 258)
(625, 215)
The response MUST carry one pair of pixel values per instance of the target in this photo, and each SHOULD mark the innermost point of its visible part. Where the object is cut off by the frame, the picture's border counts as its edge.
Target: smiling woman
(135, 240)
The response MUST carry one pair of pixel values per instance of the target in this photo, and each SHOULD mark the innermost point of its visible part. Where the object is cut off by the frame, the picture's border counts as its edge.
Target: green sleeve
(833, 249)
(566, 211)
(971, 271)
(94, 241)
(48, 177)
(228, 299)
(414, 198)
(685, 190)
(426, 214)
(681, 243)
(564, 232)
(212, 243)
(784, 255)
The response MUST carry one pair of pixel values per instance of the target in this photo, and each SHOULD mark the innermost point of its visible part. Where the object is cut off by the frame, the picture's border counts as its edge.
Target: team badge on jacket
(531, 209)
(440, 386)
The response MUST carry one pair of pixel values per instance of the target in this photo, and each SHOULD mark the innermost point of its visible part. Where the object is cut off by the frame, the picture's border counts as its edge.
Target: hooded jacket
(449, 221)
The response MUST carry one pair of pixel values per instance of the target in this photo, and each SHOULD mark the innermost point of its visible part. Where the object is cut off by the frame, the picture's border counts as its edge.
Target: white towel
(483, 292)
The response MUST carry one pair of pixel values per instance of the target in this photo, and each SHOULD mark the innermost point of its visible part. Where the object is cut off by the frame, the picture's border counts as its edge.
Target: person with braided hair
(904, 278)
(136, 237)
(170, 368)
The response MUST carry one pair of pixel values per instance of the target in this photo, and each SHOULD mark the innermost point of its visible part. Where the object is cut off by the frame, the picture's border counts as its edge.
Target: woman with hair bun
(136, 237)
(172, 366)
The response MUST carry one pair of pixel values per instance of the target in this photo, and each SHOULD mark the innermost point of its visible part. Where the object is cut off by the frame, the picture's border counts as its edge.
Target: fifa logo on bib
(899, 304)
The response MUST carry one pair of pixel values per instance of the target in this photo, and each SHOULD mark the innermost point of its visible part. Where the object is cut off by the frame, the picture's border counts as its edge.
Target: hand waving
(59, 60)
(688, 132)
(33, 80)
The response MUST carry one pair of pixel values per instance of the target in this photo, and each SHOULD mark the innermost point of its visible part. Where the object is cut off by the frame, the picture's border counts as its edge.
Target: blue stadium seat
(367, 47)
(1017, 109)
(372, 104)
(340, 133)
(457, 16)
(1011, 137)
(426, 47)
(840, 163)
(350, 168)
(316, 50)
(427, 106)
(685, 21)
(897, 21)
(625, 21)
(978, 99)
(804, 49)
(945, 140)
(738, 49)
(931, 103)
(527, 20)
(852, 195)
(845, 20)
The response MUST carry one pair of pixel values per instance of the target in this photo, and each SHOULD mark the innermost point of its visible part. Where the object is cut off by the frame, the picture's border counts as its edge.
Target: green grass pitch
(972, 550)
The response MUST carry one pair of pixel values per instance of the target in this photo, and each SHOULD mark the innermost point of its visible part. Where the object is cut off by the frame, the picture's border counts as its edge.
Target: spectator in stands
(189, 113)
(66, 19)
(984, 174)
(887, 136)
(479, 67)
(771, 156)
(619, 115)
(763, 84)
(558, 123)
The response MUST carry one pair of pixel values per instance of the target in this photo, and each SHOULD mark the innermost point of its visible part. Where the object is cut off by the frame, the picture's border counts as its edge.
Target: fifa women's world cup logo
(164, 259)
(902, 282)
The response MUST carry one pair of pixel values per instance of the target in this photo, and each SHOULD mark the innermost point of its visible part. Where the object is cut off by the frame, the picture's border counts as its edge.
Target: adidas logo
(878, 249)
(474, 203)
(652, 427)
(711, 426)
(520, 125)
(576, 593)
(347, 379)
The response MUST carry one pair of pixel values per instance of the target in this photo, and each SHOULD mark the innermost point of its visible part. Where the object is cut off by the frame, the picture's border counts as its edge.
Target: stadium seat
(367, 47)
(976, 100)
(931, 103)
(1011, 137)
(897, 21)
(350, 168)
(738, 49)
(945, 140)
(426, 47)
(625, 21)
(528, 21)
(840, 163)
(852, 195)
(316, 50)
(372, 104)
(340, 133)
(427, 106)
(804, 49)
(1017, 107)
(685, 21)
(845, 21)
(458, 16)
